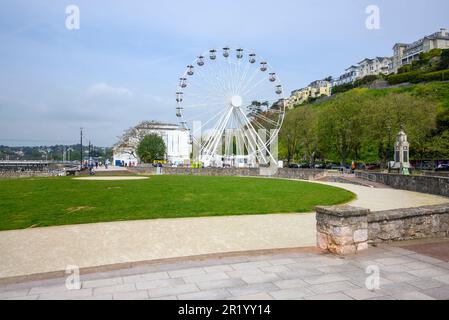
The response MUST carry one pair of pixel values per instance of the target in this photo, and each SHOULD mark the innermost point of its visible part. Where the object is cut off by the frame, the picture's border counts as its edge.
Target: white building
(406, 53)
(177, 142)
(366, 67)
(351, 74)
(376, 66)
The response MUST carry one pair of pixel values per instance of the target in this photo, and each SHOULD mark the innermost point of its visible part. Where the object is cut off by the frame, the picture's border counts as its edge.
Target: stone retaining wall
(347, 230)
(408, 224)
(425, 184)
(442, 174)
(306, 174)
(342, 229)
(28, 174)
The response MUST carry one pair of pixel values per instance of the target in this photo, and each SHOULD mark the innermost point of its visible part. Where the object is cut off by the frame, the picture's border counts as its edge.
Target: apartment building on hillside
(316, 89)
(406, 53)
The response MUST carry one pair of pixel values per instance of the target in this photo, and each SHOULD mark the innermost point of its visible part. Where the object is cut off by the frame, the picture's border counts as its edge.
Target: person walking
(91, 166)
(106, 164)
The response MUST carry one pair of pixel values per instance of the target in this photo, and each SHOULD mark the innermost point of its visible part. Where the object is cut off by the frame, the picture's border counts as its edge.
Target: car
(293, 166)
(320, 166)
(442, 167)
(373, 166)
(304, 166)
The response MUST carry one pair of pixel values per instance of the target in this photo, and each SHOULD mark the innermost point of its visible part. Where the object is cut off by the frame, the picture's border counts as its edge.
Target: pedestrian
(91, 167)
(106, 164)
(96, 164)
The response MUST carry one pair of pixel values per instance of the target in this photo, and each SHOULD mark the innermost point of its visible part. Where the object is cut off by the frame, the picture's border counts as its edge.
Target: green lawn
(42, 202)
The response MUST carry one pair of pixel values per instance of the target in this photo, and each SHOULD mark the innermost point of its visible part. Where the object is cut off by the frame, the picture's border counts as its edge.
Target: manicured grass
(42, 202)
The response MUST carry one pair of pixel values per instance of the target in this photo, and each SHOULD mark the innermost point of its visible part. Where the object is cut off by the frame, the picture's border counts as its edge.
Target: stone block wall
(286, 173)
(426, 184)
(347, 230)
(408, 224)
(342, 229)
(28, 174)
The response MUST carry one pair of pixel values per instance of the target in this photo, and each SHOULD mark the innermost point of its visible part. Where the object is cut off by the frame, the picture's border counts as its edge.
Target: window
(397, 157)
(405, 156)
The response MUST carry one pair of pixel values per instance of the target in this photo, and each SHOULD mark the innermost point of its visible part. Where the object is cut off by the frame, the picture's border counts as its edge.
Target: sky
(123, 63)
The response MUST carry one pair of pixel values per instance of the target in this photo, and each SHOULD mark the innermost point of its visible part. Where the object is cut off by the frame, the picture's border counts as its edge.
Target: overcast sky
(123, 64)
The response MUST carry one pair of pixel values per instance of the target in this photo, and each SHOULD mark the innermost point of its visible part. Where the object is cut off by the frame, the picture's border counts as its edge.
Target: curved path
(110, 178)
(41, 250)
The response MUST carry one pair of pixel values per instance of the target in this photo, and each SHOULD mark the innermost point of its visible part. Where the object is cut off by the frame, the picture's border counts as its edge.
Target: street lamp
(389, 147)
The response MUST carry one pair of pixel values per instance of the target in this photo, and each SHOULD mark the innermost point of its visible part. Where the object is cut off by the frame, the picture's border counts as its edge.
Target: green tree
(289, 137)
(340, 126)
(385, 115)
(151, 148)
(444, 62)
(298, 137)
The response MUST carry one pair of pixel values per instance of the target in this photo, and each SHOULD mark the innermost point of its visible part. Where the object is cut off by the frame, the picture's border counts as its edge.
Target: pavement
(52, 249)
(380, 199)
(111, 178)
(382, 273)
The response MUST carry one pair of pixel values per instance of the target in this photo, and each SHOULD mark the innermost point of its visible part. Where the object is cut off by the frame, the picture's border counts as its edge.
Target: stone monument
(401, 153)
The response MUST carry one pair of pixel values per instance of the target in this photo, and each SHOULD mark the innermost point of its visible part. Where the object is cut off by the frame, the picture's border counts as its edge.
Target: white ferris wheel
(233, 104)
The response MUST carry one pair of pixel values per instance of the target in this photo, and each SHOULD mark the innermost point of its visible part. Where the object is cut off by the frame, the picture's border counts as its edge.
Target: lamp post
(389, 147)
(81, 148)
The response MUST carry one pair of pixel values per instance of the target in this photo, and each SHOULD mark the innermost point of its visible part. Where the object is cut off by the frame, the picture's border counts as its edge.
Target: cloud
(104, 90)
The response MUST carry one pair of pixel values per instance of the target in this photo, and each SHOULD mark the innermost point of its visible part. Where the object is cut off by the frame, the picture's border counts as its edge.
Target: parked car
(304, 166)
(320, 166)
(373, 166)
(442, 167)
(293, 166)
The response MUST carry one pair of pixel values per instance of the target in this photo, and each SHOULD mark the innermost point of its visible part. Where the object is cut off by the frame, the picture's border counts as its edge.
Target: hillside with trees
(361, 125)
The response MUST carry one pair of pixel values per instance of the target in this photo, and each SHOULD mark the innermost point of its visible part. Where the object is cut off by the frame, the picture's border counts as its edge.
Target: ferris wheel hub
(236, 101)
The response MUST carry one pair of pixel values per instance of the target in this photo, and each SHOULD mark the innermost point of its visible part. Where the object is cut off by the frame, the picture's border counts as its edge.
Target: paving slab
(331, 296)
(440, 293)
(362, 294)
(438, 250)
(290, 294)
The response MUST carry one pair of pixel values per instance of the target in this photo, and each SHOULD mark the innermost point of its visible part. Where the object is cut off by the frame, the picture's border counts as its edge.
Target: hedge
(434, 76)
(418, 76)
(403, 77)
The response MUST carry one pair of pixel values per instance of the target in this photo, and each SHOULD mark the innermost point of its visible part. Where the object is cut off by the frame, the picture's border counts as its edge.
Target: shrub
(442, 75)
(444, 62)
(403, 77)
(405, 68)
(366, 80)
(342, 88)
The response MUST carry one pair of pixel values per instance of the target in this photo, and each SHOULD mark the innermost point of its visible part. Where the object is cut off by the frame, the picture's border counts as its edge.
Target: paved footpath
(404, 275)
(41, 250)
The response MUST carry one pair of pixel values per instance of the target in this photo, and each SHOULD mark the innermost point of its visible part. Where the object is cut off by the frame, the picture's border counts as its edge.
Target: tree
(289, 137)
(340, 126)
(151, 148)
(444, 62)
(298, 135)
